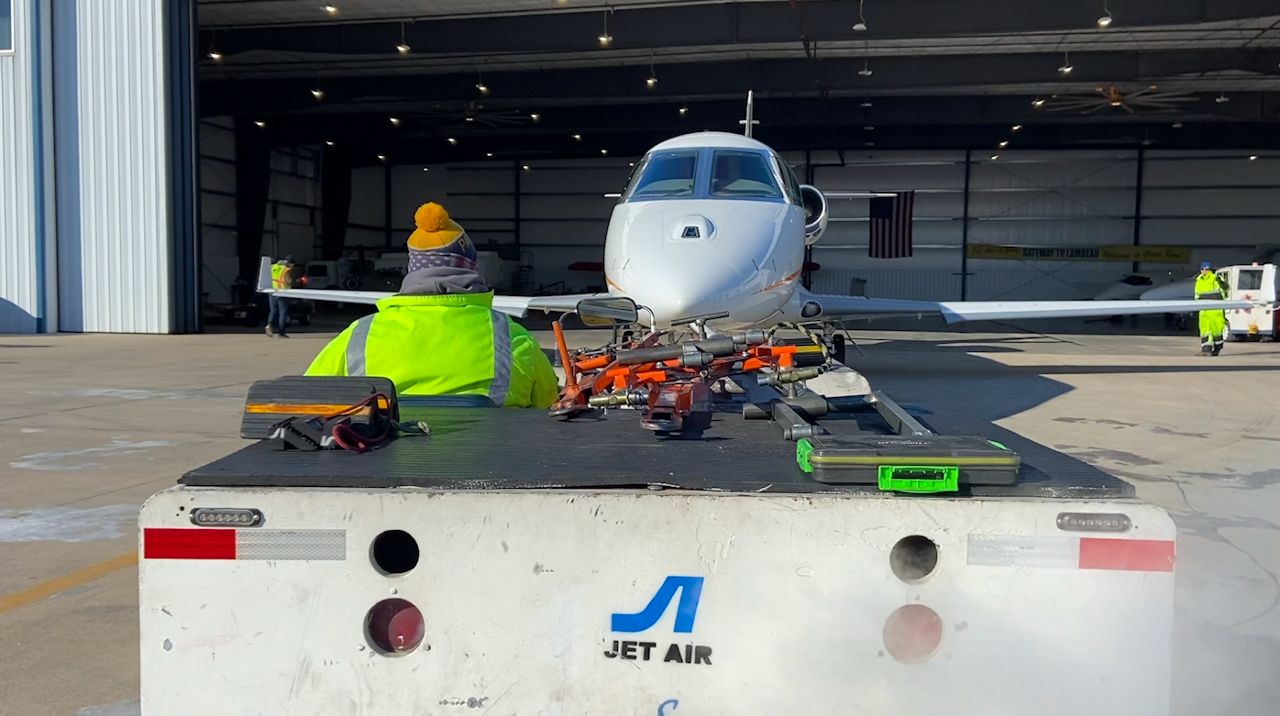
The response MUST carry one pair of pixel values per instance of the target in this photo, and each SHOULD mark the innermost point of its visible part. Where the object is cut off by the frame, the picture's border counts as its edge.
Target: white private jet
(712, 229)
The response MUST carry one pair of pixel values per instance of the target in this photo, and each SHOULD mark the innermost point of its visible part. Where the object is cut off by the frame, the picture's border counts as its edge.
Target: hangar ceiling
(524, 78)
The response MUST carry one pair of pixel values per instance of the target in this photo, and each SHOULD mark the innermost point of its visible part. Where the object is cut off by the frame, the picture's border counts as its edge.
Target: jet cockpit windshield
(743, 174)
(664, 175)
(711, 173)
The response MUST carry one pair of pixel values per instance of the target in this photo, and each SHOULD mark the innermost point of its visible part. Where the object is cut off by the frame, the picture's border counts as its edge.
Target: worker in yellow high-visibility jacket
(440, 334)
(1213, 323)
(281, 278)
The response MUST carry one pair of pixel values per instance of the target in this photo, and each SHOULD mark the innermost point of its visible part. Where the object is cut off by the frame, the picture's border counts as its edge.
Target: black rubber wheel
(838, 347)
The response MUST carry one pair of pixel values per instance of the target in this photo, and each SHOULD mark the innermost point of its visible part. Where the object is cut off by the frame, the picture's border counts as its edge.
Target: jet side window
(789, 184)
(668, 174)
(1250, 280)
(743, 174)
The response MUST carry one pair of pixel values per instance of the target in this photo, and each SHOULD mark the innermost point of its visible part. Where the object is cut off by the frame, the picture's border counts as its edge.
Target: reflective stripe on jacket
(451, 344)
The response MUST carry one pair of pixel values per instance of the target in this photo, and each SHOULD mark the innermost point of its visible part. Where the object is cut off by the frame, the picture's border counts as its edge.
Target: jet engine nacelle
(815, 213)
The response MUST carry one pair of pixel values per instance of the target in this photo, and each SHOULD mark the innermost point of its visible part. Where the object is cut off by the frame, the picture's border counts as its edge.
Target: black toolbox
(908, 463)
(273, 401)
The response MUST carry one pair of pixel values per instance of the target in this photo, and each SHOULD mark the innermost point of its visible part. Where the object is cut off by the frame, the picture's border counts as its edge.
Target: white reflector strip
(291, 544)
(1024, 551)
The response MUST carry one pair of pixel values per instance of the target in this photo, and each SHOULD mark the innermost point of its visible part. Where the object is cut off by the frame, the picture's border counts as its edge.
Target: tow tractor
(1257, 283)
(715, 525)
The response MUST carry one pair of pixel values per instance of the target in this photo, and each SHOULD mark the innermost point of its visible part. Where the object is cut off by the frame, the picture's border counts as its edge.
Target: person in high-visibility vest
(278, 317)
(440, 334)
(1213, 323)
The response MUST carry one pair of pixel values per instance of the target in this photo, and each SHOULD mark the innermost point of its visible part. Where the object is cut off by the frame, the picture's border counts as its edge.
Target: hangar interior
(1072, 124)
(314, 129)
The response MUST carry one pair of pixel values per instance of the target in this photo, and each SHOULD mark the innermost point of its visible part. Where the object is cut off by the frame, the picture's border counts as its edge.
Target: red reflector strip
(1135, 555)
(169, 543)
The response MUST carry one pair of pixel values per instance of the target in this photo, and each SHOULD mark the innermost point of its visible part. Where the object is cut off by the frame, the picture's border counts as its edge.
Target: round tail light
(912, 633)
(395, 626)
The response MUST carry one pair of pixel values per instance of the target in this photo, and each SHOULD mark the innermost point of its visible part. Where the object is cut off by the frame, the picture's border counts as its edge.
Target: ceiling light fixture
(1003, 143)
(489, 154)
(261, 124)
(1038, 102)
(395, 121)
(331, 9)
(869, 127)
(995, 157)
(1066, 67)
(684, 109)
(604, 37)
(866, 68)
(382, 157)
(328, 142)
(652, 80)
(453, 141)
(317, 93)
(1016, 128)
(1253, 157)
(481, 87)
(577, 137)
(215, 55)
(1177, 125)
(861, 24)
(1105, 20)
(1222, 98)
(604, 152)
(535, 117)
(426, 169)
(866, 104)
(403, 48)
(525, 167)
(469, 118)
(868, 144)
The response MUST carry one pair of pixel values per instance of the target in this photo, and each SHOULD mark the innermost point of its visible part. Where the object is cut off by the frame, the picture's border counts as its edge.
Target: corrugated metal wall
(1218, 202)
(111, 99)
(19, 260)
(560, 219)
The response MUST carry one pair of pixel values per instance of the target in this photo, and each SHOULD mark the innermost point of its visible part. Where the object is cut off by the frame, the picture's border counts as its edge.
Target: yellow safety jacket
(1211, 287)
(451, 344)
(279, 275)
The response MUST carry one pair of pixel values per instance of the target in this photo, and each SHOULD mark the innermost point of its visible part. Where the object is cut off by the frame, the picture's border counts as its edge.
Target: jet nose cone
(668, 305)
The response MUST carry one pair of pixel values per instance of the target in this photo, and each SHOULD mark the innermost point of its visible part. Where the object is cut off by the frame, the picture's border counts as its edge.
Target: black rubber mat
(484, 449)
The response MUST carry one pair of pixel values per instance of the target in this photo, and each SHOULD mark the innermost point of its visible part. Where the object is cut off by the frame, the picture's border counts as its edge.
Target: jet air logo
(689, 590)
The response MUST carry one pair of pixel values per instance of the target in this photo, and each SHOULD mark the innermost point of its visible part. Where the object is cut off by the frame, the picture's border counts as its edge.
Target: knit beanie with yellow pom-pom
(439, 241)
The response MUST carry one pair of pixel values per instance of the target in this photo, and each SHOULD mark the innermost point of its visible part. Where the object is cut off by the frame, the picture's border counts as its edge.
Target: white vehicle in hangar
(515, 562)
(1256, 284)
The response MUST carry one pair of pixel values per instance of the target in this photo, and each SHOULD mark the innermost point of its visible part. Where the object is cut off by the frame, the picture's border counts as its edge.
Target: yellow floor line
(9, 602)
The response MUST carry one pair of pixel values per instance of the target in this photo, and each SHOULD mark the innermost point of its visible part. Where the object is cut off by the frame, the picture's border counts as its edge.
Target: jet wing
(517, 306)
(858, 307)
(520, 306)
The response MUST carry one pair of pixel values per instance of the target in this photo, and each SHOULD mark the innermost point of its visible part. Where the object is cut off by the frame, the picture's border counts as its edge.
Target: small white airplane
(712, 229)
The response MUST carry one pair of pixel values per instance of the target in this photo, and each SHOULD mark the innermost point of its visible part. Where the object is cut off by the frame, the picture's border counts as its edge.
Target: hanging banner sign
(1128, 254)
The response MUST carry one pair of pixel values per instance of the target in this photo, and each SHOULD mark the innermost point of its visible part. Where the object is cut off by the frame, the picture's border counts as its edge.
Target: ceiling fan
(1150, 98)
(476, 114)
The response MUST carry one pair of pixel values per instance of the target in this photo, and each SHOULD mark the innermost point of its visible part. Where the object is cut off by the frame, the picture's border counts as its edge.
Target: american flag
(891, 225)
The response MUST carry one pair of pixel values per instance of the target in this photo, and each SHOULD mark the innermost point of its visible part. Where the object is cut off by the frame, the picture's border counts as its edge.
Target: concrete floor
(92, 425)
